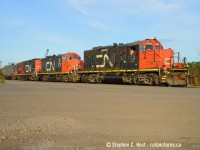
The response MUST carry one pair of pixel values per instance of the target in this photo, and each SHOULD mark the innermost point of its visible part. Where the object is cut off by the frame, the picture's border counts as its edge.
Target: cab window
(68, 57)
(148, 47)
(76, 57)
(132, 53)
(156, 47)
(142, 48)
(59, 60)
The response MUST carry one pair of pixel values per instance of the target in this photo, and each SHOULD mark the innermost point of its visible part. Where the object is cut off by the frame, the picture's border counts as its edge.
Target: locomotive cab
(152, 55)
(71, 62)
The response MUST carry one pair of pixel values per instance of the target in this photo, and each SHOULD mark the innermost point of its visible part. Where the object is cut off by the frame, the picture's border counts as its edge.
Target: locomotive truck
(142, 62)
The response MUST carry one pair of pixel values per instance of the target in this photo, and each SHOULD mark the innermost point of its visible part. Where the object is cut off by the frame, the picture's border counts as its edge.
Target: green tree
(194, 71)
(194, 64)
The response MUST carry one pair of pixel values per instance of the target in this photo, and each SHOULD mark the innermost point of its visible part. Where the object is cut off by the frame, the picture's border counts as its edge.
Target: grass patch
(2, 80)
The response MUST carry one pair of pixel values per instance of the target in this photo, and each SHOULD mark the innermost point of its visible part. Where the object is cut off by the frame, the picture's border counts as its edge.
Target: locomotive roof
(133, 43)
(115, 45)
(59, 55)
(32, 59)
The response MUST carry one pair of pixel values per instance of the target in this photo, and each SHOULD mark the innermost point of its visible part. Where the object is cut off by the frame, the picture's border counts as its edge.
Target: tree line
(194, 73)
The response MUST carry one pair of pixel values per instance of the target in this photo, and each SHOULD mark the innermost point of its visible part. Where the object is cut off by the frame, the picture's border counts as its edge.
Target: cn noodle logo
(28, 68)
(105, 58)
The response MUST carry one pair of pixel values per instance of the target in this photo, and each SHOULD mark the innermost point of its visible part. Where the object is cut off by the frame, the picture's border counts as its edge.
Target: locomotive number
(167, 61)
(105, 57)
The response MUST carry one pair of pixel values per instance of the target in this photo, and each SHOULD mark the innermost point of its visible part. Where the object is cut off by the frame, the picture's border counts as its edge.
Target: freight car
(8, 71)
(140, 62)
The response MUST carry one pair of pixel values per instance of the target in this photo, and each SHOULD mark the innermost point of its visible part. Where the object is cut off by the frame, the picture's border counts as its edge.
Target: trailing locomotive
(141, 62)
(27, 70)
(54, 68)
(61, 68)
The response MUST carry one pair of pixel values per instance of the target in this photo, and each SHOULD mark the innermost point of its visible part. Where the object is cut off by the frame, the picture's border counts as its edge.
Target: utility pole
(47, 52)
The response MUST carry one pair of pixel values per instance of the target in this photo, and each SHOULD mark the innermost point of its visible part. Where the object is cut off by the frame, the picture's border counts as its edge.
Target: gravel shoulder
(55, 115)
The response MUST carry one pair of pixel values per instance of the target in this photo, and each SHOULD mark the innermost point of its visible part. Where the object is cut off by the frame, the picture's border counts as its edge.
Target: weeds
(2, 80)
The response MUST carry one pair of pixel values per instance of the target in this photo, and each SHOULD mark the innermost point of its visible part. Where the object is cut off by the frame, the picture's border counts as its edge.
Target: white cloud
(146, 8)
(81, 5)
(96, 12)
(90, 7)
(50, 38)
(96, 24)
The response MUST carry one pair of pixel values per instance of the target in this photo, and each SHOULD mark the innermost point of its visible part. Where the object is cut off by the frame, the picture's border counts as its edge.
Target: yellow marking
(96, 71)
(148, 70)
(52, 73)
(135, 70)
(174, 69)
(23, 75)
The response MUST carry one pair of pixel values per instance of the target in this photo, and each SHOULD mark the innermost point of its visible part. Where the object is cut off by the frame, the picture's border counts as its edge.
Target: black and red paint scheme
(141, 62)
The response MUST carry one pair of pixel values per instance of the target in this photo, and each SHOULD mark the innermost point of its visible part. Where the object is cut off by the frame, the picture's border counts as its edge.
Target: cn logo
(50, 66)
(105, 58)
(28, 68)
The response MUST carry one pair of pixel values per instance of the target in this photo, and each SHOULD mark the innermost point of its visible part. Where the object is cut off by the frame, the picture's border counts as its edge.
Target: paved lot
(54, 115)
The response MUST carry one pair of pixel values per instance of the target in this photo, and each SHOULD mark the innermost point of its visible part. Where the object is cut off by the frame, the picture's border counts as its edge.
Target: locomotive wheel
(58, 78)
(30, 78)
(73, 76)
(134, 80)
(156, 80)
(98, 78)
(65, 78)
(45, 78)
(92, 78)
(70, 78)
(127, 79)
(74, 79)
(83, 78)
(150, 81)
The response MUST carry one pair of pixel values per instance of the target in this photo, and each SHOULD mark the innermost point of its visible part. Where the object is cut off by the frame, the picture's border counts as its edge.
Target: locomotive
(141, 62)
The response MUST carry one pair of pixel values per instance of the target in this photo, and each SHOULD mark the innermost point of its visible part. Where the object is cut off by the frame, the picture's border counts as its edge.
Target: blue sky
(28, 28)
